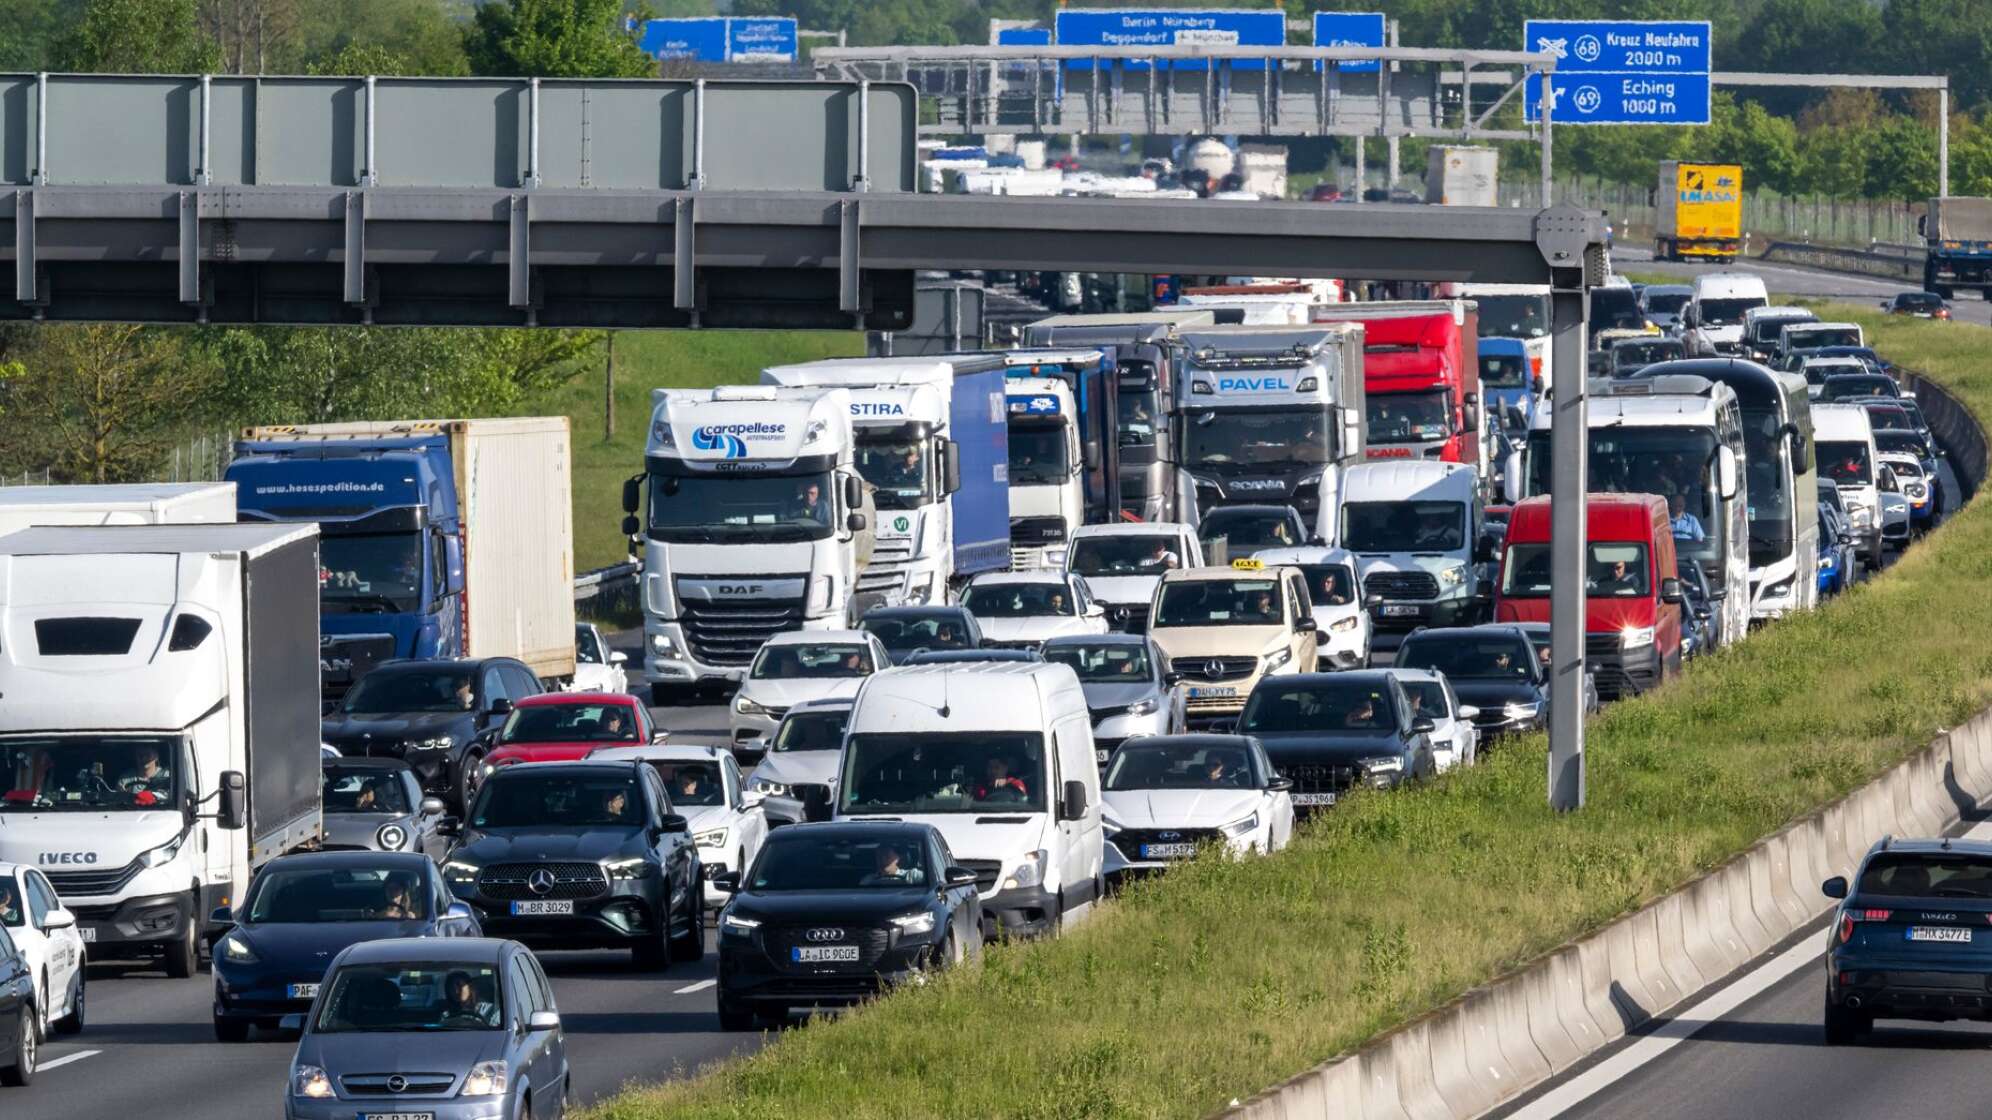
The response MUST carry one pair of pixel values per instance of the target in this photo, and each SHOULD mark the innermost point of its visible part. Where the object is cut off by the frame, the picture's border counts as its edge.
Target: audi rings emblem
(824, 933)
(397, 1084)
(541, 881)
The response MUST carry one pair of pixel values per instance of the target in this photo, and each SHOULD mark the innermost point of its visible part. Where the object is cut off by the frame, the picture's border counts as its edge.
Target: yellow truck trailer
(1700, 209)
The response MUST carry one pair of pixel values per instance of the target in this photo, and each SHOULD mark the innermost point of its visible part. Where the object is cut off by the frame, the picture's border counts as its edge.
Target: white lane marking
(698, 987)
(44, 1067)
(1683, 1024)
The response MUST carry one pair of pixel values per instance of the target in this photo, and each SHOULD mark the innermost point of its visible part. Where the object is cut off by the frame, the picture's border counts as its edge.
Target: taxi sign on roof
(1248, 564)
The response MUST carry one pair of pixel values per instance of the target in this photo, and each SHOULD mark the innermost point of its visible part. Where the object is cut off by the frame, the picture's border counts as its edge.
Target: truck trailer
(1957, 238)
(1699, 209)
(141, 503)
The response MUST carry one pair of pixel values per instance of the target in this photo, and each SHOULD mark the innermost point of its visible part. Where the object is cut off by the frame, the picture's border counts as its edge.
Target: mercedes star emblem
(1214, 669)
(541, 881)
(825, 933)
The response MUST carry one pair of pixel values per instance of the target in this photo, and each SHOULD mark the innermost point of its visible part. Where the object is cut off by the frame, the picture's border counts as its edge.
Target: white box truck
(1460, 176)
(144, 503)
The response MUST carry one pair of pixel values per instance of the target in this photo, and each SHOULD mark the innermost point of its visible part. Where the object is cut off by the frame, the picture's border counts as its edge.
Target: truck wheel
(183, 953)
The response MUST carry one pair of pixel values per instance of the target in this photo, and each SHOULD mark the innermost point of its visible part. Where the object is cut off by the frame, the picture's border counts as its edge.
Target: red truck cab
(1632, 613)
(1421, 377)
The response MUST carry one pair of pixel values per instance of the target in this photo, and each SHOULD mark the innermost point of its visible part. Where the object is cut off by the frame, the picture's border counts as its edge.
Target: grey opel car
(461, 1029)
(377, 803)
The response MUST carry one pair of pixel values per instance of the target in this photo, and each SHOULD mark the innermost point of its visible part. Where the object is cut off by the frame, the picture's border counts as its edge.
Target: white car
(802, 752)
(45, 932)
(1019, 610)
(1123, 562)
(795, 667)
(1166, 796)
(1455, 739)
(1335, 590)
(705, 787)
(597, 668)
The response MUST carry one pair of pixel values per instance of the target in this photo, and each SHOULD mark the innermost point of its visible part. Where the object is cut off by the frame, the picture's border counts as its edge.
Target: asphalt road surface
(1793, 280)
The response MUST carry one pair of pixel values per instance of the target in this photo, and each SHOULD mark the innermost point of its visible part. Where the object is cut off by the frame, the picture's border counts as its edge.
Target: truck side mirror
(632, 494)
(950, 466)
(631, 526)
(854, 493)
(1670, 590)
(232, 809)
(856, 523)
(453, 563)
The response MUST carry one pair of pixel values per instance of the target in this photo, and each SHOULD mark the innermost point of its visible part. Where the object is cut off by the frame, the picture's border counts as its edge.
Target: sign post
(1622, 71)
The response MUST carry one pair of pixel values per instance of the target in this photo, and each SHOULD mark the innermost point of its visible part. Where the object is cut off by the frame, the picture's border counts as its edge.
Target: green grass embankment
(1225, 978)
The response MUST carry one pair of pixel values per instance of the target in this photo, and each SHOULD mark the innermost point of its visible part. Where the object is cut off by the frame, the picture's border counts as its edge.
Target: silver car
(461, 1029)
(1127, 685)
(377, 803)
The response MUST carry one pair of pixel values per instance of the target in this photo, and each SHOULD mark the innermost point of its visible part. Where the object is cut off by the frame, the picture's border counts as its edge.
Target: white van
(1415, 528)
(998, 756)
(1714, 317)
(1123, 562)
(1843, 446)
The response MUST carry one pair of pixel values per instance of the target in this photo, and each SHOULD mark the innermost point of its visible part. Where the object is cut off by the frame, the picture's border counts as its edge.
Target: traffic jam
(997, 633)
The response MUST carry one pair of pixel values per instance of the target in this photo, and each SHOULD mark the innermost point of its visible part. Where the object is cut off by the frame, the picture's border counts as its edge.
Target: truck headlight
(310, 1081)
(1635, 637)
(710, 838)
(822, 590)
(660, 434)
(632, 867)
(911, 924)
(1452, 576)
(486, 1079)
(1239, 828)
(1780, 589)
(663, 646)
(1029, 873)
(164, 853)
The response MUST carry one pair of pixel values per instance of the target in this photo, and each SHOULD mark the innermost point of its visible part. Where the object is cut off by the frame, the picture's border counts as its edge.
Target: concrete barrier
(1777, 853)
(1669, 917)
(1629, 993)
(1452, 1073)
(1742, 912)
(1809, 846)
(1555, 1034)
(1567, 976)
(1381, 1099)
(1486, 1060)
(1597, 987)
(1712, 941)
(1411, 1061)
(1515, 1032)
(1660, 988)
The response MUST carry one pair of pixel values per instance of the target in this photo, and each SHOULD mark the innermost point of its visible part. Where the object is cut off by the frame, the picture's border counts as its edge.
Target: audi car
(1332, 733)
(1912, 938)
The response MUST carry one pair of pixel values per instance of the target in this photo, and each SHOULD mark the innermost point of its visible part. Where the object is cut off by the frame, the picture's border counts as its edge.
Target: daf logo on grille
(824, 933)
(540, 882)
(1214, 669)
(1168, 836)
(397, 1084)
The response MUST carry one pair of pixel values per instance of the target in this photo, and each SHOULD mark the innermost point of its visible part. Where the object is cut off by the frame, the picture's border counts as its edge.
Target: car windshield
(1503, 371)
(90, 773)
(1405, 417)
(1889, 418)
(1666, 303)
(1262, 438)
(1766, 329)
(1846, 462)
(1513, 316)
(353, 790)
(811, 731)
(426, 997)
(1918, 301)
(523, 799)
(1139, 765)
(971, 772)
(1615, 308)
(1806, 337)
(395, 691)
(1468, 656)
(1318, 707)
(691, 781)
(899, 633)
(1229, 535)
(1615, 570)
(1104, 663)
(1019, 600)
(306, 895)
(1404, 526)
(1906, 470)
(1725, 312)
(378, 573)
(1329, 585)
(897, 467)
(825, 661)
(841, 859)
(1147, 554)
(1037, 454)
(731, 508)
(1890, 440)
(570, 723)
(1927, 875)
(1219, 602)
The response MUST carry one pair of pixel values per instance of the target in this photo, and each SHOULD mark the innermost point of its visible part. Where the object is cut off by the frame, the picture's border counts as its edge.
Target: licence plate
(87, 933)
(1101, 756)
(1313, 799)
(397, 1116)
(1956, 934)
(1167, 851)
(817, 954)
(1213, 692)
(303, 991)
(563, 906)
(1401, 610)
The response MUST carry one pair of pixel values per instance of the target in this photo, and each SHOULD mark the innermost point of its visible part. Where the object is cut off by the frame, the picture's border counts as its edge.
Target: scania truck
(933, 442)
(1421, 378)
(442, 538)
(159, 736)
(757, 523)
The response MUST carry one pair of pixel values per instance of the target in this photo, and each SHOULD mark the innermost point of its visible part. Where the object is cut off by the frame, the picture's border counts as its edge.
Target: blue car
(301, 911)
(1837, 559)
(1912, 938)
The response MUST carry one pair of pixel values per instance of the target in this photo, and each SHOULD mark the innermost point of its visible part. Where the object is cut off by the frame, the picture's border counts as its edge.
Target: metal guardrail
(609, 592)
(1880, 259)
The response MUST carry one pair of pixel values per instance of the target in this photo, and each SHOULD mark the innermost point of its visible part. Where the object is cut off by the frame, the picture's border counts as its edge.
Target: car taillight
(1849, 917)
(1872, 915)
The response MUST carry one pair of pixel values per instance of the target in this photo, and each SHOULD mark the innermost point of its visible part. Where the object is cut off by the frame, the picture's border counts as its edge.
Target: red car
(565, 726)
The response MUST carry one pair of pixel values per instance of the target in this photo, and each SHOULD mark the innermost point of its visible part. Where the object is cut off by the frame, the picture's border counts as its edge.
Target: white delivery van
(1714, 318)
(1843, 446)
(998, 756)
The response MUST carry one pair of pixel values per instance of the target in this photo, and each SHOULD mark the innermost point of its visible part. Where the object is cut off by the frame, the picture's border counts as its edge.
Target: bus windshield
(1675, 463)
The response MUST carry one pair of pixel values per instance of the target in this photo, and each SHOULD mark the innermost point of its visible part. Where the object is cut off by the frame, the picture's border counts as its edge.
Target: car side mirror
(543, 1021)
(856, 522)
(1423, 727)
(1846, 538)
(1072, 803)
(292, 1023)
(1836, 887)
(500, 707)
(960, 877)
(232, 811)
(1308, 625)
(449, 826)
(431, 806)
(1172, 678)
(1372, 601)
(222, 918)
(1280, 783)
(1670, 590)
(459, 912)
(1704, 613)
(1095, 610)
(1468, 712)
(618, 657)
(726, 882)
(59, 919)
(674, 822)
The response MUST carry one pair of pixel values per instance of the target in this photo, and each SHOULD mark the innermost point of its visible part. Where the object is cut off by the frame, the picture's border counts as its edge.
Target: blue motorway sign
(699, 40)
(1618, 46)
(1132, 27)
(1024, 37)
(1622, 98)
(1349, 29)
(760, 39)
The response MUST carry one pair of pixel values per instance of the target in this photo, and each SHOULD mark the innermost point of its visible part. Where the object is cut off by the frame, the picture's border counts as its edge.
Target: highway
(1792, 280)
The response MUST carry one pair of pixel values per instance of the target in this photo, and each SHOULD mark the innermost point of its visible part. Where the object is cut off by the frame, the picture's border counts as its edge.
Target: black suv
(1334, 732)
(582, 855)
(430, 714)
(1908, 940)
(1494, 667)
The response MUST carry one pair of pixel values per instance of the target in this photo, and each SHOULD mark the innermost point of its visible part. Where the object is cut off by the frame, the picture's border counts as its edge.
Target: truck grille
(732, 631)
(1314, 777)
(513, 881)
(1402, 585)
(887, 570)
(1029, 532)
(341, 661)
(93, 882)
(781, 940)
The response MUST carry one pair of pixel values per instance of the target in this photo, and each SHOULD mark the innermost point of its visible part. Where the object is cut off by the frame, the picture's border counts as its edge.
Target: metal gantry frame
(1863, 81)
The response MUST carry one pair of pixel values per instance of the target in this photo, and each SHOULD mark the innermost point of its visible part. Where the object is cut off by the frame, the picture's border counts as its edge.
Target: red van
(1632, 615)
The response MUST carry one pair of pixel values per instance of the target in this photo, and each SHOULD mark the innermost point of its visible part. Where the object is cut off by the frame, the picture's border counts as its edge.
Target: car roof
(361, 762)
(576, 699)
(1344, 676)
(1214, 572)
(393, 861)
(1305, 554)
(826, 704)
(575, 766)
(915, 611)
(443, 950)
(1438, 633)
(819, 637)
(1108, 639)
(1133, 529)
(845, 828)
(963, 656)
(656, 752)
(1260, 509)
(1191, 740)
(1036, 575)
(1921, 845)
(1414, 674)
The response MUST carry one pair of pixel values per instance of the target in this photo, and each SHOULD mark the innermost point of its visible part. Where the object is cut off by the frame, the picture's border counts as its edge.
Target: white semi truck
(143, 503)
(757, 523)
(159, 736)
(1047, 495)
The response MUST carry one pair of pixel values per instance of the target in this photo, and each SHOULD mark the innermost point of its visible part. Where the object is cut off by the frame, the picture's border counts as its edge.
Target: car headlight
(391, 837)
(1029, 873)
(237, 950)
(439, 743)
(1391, 764)
(663, 646)
(1142, 707)
(1779, 589)
(748, 707)
(922, 922)
(1452, 576)
(164, 853)
(768, 788)
(310, 1081)
(457, 871)
(1240, 828)
(1635, 637)
(1275, 660)
(1825, 561)
(1344, 625)
(730, 923)
(1517, 709)
(486, 1079)
(710, 838)
(632, 867)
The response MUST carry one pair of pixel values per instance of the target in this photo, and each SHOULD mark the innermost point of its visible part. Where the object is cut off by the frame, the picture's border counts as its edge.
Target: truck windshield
(898, 469)
(377, 573)
(1662, 303)
(1219, 602)
(972, 773)
(1137, 407)
(90, 773)
(1721, 312)
(1845, 462)
(1405, 417)
(1513, 316)
(740, 508)
(1404, 526)
(1037, 455)
(1768, 330)
(1612, 570)
(1117, 555)
(1503, 371)
(1673, 462)
(1259, 438)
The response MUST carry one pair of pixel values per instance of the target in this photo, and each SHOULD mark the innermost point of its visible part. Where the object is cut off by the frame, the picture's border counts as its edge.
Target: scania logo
(540, 881)
(68, 857)
(397, 1084)
(1214, 669)
(1258, 484)
(824, 933)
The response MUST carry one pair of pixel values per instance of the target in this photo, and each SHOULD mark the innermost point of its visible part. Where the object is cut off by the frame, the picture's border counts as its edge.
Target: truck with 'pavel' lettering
(1699, 208)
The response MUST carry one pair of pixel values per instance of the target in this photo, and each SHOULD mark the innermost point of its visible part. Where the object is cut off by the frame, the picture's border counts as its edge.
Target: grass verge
(1225, 978)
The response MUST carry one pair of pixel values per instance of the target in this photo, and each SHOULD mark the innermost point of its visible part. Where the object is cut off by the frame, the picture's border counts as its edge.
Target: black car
(582, 855)
(1333, 732)
(301, 910)
(431, 715)
(1538, 635)
(1494, 668)
(1234, 532)
(1922, 305)
(1908, 941)
(20, 1034)
(1851, 386)
(906, 630)
(832, 914)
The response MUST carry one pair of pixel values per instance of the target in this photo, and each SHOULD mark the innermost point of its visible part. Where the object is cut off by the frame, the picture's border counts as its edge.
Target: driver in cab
(999, 784)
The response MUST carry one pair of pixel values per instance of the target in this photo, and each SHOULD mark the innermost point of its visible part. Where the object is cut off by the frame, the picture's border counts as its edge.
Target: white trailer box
(145, 503)
(1456, 176)
(1263, 167)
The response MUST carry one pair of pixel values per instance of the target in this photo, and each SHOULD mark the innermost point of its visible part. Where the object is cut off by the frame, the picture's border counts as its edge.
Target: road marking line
(698, 987)
(1684, 1024)
(44, 1067)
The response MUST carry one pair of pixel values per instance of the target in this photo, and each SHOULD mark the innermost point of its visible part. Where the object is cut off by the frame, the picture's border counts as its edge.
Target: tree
(138, 37)
(557, 39)
(101, 403)
(378, 37)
